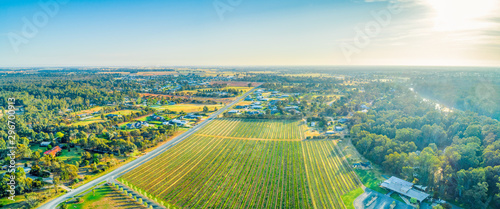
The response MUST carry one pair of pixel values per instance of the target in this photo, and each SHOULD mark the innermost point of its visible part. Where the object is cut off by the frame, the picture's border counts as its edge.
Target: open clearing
(216, 170)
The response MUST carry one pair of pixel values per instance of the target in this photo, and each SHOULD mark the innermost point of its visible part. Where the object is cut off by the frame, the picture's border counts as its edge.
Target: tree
(31, 199)
(36, 156)
(205, 109)
(56, 183)
(64, 205)
(59, 135)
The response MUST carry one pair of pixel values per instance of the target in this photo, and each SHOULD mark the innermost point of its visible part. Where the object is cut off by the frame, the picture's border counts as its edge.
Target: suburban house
(233, 112)
(313, 124)
(138, 124)
(44, 144)
(256, 107)
(241, 106)
(191, 116)
(157, 118)
(404, 188)
(248, 99)
(343, 120)
(53, 151)
(339, 128)
(254, 113)
(112, 116)
(273, 102)
(178, 122)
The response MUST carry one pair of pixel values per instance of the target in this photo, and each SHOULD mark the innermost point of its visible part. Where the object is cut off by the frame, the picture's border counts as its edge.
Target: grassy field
(349, 198)
(98, 119)
(123, 112)
(255, 129)
(224, 172)
(188, 108)
(88, 111)
(105, 197)
(88, 121)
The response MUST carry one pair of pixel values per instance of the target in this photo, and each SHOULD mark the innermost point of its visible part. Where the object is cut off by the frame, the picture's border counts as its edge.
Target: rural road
(141, 160)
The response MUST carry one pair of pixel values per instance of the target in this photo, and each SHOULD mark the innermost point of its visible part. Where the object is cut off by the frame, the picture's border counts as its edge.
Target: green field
(255, 129)
(105, 197)
(222, 172)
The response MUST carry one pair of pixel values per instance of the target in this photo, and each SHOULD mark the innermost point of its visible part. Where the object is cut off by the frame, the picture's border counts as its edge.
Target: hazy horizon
(249, 33)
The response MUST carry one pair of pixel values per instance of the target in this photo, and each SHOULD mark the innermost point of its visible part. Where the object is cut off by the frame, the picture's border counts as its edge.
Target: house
(254, 112)
(366, 164)
(171, 103)
(241, 106)
(330, 132)
(285, 96)
(404, 188)
(256, 107)
(273, 102)
(112, 116)
(178, 122)
(343, 120)
(274, 111)
(53, 151)
(157, 117)
(192, 116)
(339, 128)
(138, 124)
(313, 124)
(44, 144)
(82, 115)
(356, 165)
(233, 112)
(292, 107)
(85, 118)
(256, 103)
(248, 99)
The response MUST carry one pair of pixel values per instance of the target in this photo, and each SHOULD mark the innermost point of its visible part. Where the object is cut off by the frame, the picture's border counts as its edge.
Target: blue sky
(256, 32)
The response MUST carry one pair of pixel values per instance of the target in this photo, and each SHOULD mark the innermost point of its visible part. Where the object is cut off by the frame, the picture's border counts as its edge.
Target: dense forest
(456, 154)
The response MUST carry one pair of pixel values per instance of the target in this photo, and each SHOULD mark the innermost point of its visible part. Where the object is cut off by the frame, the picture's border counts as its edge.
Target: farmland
(255, 129)
(221, 167)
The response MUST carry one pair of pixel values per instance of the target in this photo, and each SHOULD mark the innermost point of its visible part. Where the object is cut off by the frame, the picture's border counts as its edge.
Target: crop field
(223, 172)
(328, 174)
(255, 129)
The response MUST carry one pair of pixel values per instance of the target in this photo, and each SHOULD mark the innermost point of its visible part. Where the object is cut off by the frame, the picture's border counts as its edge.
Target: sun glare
(453, 15)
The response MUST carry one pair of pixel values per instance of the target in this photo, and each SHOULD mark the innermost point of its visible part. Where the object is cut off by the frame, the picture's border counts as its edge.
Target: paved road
(141, 160)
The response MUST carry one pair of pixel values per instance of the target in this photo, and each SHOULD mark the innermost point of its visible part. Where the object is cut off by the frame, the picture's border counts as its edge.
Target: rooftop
(404, 187)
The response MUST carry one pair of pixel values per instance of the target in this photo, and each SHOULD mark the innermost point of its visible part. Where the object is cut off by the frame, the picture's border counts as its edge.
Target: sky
(52, 33)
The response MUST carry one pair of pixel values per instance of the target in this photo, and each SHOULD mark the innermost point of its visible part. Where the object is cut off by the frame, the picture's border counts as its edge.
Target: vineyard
(221, 172)
(255, 129)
